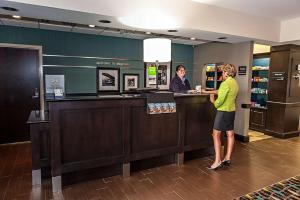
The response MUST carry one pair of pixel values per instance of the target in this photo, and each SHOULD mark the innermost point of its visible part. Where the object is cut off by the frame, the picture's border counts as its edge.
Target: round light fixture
(172, 31)
(222, 38)
(192, 38)
(92, 25)
(148, 33)
(157, 50)
(10, 9)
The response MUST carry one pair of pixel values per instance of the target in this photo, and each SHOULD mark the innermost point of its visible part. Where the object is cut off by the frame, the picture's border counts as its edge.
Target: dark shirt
(178, 86)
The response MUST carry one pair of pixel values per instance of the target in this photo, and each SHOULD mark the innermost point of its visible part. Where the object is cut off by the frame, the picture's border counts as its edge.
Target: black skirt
(224, 121)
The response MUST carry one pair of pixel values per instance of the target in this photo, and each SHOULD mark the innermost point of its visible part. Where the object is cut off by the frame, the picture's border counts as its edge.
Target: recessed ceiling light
(192, 38)
(172, 31)
(148, 33)
(92, 25)
(105, 21)
(16, 16)
(222, 38)
(10, 9)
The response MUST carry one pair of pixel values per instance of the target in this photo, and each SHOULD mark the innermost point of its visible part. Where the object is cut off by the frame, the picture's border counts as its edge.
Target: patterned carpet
(287, 189)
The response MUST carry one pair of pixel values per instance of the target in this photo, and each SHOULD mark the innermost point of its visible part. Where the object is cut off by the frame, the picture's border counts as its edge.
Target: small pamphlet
(58, 93)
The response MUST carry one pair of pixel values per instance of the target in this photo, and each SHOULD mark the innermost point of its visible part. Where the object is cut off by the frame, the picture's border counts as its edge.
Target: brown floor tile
(254, 165)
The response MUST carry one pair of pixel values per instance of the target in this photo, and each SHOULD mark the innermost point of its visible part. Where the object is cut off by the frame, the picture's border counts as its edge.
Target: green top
(227, 95)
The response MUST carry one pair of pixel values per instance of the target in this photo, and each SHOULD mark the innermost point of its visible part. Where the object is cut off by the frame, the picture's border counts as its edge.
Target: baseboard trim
(14, 143)
(283, 135)
(241, 138)
(279, 135)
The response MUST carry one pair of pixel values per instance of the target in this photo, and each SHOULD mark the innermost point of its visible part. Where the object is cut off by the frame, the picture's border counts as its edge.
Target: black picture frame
(108, 80)
(130, 79)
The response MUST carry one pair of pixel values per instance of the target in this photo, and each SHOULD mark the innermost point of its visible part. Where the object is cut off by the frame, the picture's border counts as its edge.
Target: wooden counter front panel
(199, 120)
(88, 134)
(152, 132)
(94, 133)
(40, 142)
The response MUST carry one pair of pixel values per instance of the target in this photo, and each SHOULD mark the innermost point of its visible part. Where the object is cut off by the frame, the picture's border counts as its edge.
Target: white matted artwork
(130, 81)
(54, 82)
(108, 79)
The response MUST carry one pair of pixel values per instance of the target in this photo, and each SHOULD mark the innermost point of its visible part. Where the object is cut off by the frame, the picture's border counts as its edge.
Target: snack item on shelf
(210, 78)
(210, 68)
(260, 68)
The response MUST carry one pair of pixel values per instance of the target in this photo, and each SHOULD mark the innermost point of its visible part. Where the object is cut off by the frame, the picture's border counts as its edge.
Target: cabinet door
(294, 90)
(257, 118)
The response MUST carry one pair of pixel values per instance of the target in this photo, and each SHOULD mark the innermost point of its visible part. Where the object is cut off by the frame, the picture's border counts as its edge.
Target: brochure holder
(160, 103)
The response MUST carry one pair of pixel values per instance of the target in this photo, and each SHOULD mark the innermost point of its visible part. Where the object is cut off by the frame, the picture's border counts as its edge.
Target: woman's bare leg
(217, 145)
(230, 144)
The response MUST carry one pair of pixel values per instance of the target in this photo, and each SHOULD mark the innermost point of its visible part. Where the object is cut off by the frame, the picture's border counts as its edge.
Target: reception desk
(81, 133)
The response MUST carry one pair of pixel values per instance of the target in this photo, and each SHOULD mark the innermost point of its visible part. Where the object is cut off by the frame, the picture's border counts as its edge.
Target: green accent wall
(79, 79)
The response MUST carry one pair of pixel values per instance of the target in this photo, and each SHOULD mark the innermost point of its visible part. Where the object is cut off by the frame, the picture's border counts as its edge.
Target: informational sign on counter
(278, 76)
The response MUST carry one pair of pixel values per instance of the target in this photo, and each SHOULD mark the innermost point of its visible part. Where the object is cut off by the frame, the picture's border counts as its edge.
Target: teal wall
(83, 80)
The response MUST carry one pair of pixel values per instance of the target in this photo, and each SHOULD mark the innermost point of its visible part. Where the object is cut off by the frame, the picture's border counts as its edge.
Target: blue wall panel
(83, 80)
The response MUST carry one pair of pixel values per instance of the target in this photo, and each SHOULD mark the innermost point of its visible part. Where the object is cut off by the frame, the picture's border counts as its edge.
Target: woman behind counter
(224, 121)
(179, 83)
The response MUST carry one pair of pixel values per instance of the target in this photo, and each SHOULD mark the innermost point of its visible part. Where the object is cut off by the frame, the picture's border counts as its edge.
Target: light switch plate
(298, 67)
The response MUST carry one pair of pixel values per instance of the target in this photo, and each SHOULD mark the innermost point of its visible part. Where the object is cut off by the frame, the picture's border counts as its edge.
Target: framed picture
(108, 80)
(54, 83)
(130, 81)
(160, 75)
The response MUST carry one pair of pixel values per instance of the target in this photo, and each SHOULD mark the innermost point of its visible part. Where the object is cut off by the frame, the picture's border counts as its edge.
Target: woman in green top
(224, 121)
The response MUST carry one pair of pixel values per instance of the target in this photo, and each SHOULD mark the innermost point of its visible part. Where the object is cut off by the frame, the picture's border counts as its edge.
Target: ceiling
(206, 21)
(275, 9)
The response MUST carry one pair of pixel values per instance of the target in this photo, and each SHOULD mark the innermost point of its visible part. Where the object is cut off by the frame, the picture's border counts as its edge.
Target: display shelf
(210, 76)
(260, 80)
(260, 107)
(258, 93)
(260, 70)
(213, 76)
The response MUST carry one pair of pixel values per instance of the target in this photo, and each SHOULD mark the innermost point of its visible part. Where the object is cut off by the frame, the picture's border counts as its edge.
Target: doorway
(19, 90)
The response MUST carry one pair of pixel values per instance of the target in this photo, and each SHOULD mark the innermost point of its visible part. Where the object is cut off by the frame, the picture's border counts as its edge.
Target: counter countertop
(38, 116)
(110, 97)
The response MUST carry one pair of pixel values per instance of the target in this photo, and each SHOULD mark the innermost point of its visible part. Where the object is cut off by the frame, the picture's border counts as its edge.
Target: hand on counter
(212, 98)
(209, 91)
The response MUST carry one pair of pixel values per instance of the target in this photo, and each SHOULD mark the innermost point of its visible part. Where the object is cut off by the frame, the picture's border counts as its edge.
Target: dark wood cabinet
(258, 119)
(40, 139)
(282, 118)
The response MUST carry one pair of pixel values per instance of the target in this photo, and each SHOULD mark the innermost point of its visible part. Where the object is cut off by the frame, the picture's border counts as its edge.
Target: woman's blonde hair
(230, 69)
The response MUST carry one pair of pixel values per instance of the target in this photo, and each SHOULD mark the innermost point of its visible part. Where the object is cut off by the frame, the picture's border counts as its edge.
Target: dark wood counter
(40, 140)
(102, 131)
